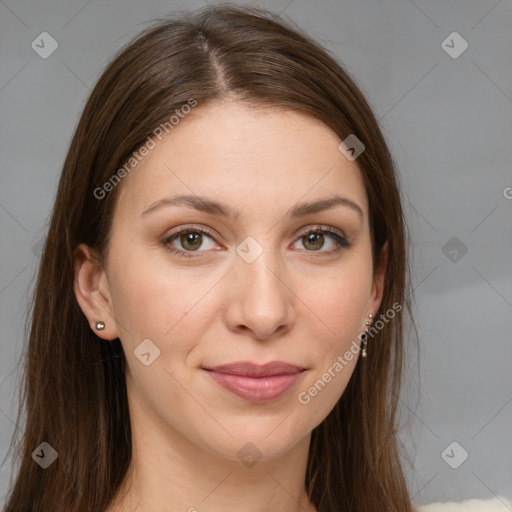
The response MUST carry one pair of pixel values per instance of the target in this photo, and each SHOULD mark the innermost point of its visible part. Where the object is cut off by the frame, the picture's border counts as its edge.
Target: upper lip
(249, 369)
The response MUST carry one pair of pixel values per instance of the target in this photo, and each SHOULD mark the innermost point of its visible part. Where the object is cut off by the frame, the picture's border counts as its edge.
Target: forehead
(244, 156)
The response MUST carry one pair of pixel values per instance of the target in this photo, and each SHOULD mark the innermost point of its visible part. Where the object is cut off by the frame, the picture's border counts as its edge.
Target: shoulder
(474, 505)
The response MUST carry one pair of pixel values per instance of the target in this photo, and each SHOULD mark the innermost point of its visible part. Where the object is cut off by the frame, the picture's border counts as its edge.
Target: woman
(218, 317)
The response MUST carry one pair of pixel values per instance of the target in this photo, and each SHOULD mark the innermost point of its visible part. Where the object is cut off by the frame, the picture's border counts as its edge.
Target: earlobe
(93, 294)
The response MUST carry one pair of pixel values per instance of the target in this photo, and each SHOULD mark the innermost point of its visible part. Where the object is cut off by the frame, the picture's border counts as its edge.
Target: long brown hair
(73, 387)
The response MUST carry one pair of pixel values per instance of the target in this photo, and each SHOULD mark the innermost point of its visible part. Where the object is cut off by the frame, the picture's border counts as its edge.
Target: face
(252, 273)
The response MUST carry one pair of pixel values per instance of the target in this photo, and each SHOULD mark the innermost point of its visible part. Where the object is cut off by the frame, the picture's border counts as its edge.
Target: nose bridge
(257, 264)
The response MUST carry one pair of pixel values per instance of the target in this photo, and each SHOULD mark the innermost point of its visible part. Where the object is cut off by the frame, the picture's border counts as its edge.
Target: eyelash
(342, 242)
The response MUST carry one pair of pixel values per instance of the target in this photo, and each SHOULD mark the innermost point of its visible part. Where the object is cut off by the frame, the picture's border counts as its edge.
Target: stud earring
(364, 338)
(100, 326)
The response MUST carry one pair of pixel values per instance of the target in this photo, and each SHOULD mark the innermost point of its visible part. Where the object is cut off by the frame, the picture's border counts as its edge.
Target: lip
(257, 383)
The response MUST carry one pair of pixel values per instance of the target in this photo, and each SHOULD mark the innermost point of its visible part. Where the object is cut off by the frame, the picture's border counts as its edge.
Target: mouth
(257, 383)
(248, 369)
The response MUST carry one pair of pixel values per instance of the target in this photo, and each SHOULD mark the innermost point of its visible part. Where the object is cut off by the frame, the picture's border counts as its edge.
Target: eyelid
(321, 227)
(187, 229)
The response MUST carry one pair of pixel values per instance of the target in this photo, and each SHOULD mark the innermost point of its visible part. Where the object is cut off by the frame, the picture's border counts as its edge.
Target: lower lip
(256, 389)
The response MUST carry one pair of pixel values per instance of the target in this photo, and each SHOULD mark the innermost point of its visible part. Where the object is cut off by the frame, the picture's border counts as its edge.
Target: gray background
(449, 124)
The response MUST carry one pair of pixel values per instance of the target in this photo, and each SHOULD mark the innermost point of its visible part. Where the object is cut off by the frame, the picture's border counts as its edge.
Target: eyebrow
(206, 205)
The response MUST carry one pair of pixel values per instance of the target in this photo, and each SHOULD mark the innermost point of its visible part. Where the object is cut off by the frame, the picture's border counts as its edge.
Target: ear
(378, 281)
(93, 293)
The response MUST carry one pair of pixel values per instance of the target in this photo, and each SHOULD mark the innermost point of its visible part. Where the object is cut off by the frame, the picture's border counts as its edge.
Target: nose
(261, 299)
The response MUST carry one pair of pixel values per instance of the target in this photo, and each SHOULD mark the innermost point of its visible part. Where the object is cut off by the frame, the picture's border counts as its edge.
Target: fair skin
(300, 301)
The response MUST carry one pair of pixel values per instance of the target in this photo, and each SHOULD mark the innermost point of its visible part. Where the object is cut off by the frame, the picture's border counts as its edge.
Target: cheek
(167, 305)
(338, 305)
(340, 311)
(338, 302)
(148, 299)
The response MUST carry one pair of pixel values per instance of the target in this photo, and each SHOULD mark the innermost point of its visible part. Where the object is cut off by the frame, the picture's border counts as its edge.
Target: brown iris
(314, 238)
(191, 240)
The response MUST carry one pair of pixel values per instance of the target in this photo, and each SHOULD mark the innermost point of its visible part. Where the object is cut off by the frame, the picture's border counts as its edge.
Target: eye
(191, 240)
(314, 239)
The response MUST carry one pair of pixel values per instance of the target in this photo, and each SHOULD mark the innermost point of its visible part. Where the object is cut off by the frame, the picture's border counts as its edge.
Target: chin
(253, 445)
